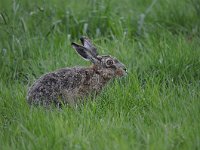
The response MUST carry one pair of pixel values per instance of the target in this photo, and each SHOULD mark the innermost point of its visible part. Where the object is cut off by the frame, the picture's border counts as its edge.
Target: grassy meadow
(157, 106)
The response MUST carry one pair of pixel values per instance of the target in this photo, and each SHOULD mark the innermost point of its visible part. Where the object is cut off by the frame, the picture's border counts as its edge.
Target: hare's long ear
(81, 51)
(85, 53)
(86, 42)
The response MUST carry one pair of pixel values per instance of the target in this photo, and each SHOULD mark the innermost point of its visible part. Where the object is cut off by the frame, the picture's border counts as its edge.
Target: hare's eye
(109, 62)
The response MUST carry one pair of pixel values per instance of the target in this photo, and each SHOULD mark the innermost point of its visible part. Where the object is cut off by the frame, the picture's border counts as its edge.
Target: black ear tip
(73, 44)
(82, 39)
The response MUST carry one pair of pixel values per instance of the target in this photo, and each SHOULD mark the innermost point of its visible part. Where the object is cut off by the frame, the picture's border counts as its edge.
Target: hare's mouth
(121, 72)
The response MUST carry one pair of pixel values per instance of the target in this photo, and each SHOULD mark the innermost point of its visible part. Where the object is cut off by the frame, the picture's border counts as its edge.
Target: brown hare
(71, 85)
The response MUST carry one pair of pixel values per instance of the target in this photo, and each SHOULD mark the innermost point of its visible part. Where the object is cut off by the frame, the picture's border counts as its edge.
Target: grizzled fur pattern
(68, 85)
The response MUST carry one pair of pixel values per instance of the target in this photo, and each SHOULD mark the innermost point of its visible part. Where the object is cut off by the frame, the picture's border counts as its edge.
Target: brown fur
(69, 85)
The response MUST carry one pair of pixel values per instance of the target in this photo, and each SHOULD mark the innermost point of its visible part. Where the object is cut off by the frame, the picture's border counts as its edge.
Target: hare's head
(105, 65)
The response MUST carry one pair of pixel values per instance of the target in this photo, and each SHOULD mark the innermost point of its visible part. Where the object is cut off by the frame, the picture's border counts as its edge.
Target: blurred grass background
(155, 107)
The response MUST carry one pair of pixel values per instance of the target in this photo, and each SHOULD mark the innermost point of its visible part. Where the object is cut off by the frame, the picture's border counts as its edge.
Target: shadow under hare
(71, 85)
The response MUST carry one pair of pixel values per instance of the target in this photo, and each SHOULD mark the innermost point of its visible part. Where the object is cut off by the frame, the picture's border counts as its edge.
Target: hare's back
(70, 78)
(54, 82)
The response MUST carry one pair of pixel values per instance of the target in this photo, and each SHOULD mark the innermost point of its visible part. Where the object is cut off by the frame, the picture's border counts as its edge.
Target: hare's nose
(124, 68)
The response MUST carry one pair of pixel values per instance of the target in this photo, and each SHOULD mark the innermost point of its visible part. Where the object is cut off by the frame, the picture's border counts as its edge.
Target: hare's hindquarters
(61, 86)
(44, 91)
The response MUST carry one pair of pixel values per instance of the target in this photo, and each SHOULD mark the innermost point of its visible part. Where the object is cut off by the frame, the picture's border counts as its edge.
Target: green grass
(157, 106)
